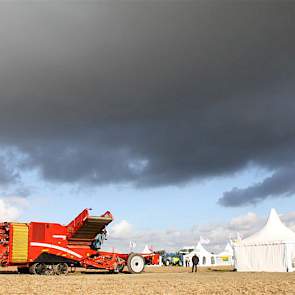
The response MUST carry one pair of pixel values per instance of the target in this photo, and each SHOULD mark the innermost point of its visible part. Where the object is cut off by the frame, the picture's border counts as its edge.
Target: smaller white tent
(226, 256)
(205, 257)
(270, 249)
(146, 250)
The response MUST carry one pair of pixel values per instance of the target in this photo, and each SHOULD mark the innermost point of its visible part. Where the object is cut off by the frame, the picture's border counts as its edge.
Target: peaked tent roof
(229, 248)
(273, 231)
(228, 251)
(200, 249)
(146, 250)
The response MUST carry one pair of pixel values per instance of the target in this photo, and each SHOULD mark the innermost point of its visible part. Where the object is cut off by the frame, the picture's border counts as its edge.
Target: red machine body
(42, 247)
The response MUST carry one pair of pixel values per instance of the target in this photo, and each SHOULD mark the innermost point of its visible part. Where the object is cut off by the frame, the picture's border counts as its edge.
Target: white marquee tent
(270, 249)
(205, 257)
(146, 250)
(226, 256)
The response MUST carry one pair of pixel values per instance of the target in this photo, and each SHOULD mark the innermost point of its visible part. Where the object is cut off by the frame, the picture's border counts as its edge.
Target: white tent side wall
(224, 260)
(204, 260)
(205, 257)
(291, 256)
(268, 257)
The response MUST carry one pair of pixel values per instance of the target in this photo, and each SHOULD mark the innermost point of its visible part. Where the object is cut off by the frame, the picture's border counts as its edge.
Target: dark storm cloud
(7, 174)
(146, 92)
(280, 183)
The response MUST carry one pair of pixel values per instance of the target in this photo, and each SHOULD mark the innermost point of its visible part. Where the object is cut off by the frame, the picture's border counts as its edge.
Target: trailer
(50, 248)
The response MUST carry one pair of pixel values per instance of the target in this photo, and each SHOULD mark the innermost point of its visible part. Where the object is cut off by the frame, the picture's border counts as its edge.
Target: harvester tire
(40, 268)
(61, 269)
(32, 268)
(135, 263)
(49, 270)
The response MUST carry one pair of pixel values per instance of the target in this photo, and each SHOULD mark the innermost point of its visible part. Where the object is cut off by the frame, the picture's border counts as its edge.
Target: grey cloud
(11, 184)
(145, 92)
(7, 174)
(280, 184)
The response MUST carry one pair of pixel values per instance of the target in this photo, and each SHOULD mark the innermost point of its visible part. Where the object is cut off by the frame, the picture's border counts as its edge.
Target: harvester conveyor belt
(91, 227)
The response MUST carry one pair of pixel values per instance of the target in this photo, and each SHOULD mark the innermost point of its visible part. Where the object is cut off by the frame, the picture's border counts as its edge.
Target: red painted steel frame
(53, 238)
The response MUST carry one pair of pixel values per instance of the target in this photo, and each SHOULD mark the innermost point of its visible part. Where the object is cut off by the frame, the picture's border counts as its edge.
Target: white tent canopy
(205, 257)
(226, 256)
(270, 249)
(273, 231)
(146, 250)
(228, 250)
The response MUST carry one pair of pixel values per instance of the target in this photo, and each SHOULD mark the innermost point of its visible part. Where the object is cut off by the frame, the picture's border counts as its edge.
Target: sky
(178, 117)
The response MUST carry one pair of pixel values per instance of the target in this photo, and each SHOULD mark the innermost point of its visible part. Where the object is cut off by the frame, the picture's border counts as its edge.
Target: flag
(204, 241)
(132, 245)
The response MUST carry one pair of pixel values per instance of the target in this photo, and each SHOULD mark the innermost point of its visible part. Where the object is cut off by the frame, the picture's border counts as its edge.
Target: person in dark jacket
(195, 261)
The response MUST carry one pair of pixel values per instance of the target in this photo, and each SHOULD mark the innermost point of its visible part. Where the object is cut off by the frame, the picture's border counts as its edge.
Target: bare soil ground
(164, 280)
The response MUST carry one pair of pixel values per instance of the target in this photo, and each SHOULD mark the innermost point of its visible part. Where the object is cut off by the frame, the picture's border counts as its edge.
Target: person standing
(195, 261)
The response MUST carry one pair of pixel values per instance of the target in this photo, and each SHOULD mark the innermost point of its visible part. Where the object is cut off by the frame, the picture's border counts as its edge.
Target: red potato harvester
(51, 248)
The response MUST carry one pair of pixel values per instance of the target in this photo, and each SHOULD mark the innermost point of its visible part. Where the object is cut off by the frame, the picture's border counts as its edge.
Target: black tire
(40, 268)
(32, 269)
(135, 263)
(61, 269)
(49, 271)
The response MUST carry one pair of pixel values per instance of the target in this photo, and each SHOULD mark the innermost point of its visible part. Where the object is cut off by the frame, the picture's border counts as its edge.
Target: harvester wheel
(61, 269)
(135, 263)
(40, 268)
(33, 268)
(49, 270)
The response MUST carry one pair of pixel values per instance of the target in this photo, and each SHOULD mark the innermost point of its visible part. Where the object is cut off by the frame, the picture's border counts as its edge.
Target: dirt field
(165, 280)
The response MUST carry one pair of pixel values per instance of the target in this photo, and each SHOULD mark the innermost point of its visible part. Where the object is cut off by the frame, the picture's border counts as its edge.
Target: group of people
(195, 262)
